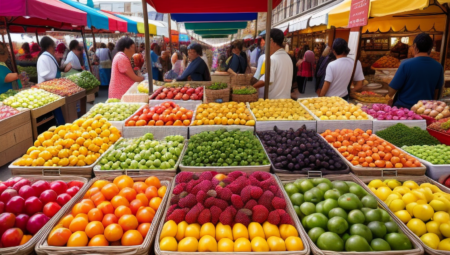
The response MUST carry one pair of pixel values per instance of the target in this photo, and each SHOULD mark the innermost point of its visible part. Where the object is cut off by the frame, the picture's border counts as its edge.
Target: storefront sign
(359, 13)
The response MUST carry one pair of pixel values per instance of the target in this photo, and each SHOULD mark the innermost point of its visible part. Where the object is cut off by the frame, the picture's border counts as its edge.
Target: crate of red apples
(7, 111)
(62, 87)
(184, 93)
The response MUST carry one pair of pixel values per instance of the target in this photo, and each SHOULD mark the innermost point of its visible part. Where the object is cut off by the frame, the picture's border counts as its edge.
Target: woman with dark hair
(184, 54)
(197, 69)
(6, 76)
(47, 65)
(238, 63)
(104, 56)
(166, 63)
(177, 60)
(328, 57)
(122, 75)
(74, 55)
(155, 51)
(305, 70)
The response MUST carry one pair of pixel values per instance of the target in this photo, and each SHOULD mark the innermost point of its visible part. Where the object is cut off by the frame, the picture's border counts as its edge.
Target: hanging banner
(359, 13)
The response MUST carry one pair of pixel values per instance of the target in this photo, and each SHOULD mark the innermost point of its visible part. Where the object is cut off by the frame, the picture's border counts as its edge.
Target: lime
(328, 205)
(431, 240)
(357, 190)
(373, 215)
(349, 202)
(391, 227)
(345, 237)
(314, 195)
(317, 181)
(297, 199)
(378, 229)
(356, 216)
(362, 230)
(314, 233)
(365, 210)
(379, 244)
(369, 201)
(350, 183)
(341, 186)
(385, 217)
(330, 241)
(338, 212)
(332, 193)
(304, 220)
(298, 211)
(324, 187)
(306, 185)
(291, 189)
(308, 208)
(357, 243)
(298, 182)
(398, 241)
(337, 225)
(319, 207)
(316, 220)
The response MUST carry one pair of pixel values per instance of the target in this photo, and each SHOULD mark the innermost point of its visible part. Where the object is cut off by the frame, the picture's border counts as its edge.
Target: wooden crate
(90, 95)
(15, 136)
(70, 108)
(38, 112)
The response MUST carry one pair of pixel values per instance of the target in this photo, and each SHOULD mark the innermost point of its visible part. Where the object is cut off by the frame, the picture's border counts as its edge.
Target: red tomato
(135, 117)
(131, 123)
(143, 117)
(166, 104)
(159, 110)
(155, 117)
(141, 123)
(170, 117)
(151, 123)
(146, 110)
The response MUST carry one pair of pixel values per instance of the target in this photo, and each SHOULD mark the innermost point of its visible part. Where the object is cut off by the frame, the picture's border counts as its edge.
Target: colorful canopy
(44, 10)
(208, 6)
(131, 24)
(115, 23)
(152, 25)
(95, 18)
(184, 38)
(215, 36)
(215, 26)
(216, 32)
(214, 17)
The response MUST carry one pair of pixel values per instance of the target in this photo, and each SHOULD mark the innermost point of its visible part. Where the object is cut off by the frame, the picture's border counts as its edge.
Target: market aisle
(309, 91)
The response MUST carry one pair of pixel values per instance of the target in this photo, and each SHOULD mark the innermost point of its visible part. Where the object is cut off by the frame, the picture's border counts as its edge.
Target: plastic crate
(441, 136)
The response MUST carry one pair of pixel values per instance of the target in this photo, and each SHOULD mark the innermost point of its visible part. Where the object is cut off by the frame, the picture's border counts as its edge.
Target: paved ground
(103, 96)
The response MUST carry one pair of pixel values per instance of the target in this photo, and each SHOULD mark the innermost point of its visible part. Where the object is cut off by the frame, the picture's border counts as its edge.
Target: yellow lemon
(383, 192)
(168, 243)
(431, 240)
(294, 243)
(444, 245)
(408, 198)
(423, 212)
(433, 227)
(403, 215)
(417, 227)
(402, 190)
(207, 244)
(225, 245)
(169, 229)
(240, 231)
(208, 229)
(438, 205)
(441, 217)
(188, 244)
(259, 244)
(397, 205)
(444, 228)
(242, 245)
(411, 184)
(287, 230)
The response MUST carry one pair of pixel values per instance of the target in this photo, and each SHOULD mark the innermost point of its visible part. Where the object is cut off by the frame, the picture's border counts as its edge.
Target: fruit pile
(7, 94)
(230, 113)
(300, 150)
(334, 108)
(401, 135)
(387, 62)
(7, 111)
(424, 209)
(442, 125)
(367, 150)
(224, 148)
(385, 112)
(62, 87)
(279, 109)
(114, 112)
(184, 93)
(437, 155)
(240, 212)
(25, 207)
(431, 108)
(31, 98)
(165, 114)
(342, 216)
(78, 144)
(85, 80)
(111, 213)
(144, 153)
(113, 100)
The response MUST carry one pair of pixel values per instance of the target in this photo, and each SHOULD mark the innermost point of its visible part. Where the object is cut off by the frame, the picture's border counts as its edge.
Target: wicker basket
(217, 96)
(244, 98)
(43, 248)
(240, 79)
(28, 247)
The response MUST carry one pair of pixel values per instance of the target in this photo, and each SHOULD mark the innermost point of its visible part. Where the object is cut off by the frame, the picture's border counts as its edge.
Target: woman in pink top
(305, 70)
(122, 74)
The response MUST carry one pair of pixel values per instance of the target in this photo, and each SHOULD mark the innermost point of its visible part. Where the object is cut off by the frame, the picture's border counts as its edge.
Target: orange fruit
(88, 202)
(106, 207)
(128, 193)
(110, 190)
(128, 222)
(59, 237)
(151, 192)
(25, 239)
(95, 215)
(123, 181)
(80, 208)
(121, 211)
(94, 228)
(155, 202)
(78, 238)
(143, 228)
(109, 219)
(97, 198)
(135, 205)
(162, 191)
(132, 237)
(66, 220)
(118, 201)
(82, 215)
(78, 224)
(113, 232)
(145, 215)
(153, 181)
(143, 198)
(98, 240)
(140, 187)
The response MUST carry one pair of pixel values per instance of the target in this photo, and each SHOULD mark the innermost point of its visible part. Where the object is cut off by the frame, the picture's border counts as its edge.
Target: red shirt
(120, 82)
(305, 69)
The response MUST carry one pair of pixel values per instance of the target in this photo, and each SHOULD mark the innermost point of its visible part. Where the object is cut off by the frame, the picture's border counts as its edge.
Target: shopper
(105, 61)
(197, 70)
(112, 49)
(122, 75)
(74, 56)
(142, 48)
(418, 78)
(237, 63)
(339, 72)
(328, 57)
(47, 65)
(294, 71)
(184, 53)
(165, 63)
(6, 76)
(305, 70)
(177, 63)
(258, 75)
(280, 68)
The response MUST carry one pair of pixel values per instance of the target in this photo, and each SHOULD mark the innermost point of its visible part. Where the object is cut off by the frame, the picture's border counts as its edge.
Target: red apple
(51, 209)
(2, 207)
(183, 90)
(185, 97)
(15, 205)
(27, 191)
(190, 91)
(36, 222)
(162, 95)
(58, 186)
(21, 221)
(40, 186)
(3, 187)
(21, 183)
(178, 96)
(62, 199)
(7, 195)
(7, 220)
(48, 196)
(12, 237)
(170, 95)
(72, 191)
(158, 97)
(194, 97)
(12, 181)
(33, 205)
(165, 90)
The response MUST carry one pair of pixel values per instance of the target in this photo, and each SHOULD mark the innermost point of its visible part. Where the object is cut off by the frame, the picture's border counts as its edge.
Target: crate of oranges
(71, 149)
(119, 214)
(368, 154)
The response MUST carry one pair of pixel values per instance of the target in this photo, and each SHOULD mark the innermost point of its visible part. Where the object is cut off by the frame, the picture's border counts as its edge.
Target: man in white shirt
(339, 72)
(281, 69)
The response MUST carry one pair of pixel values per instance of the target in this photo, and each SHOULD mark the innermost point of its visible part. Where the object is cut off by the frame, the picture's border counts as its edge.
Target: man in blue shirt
(197, 69)
(419, 78)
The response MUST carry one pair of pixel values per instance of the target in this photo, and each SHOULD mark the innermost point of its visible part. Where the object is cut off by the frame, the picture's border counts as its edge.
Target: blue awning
(216, 32)
(94, 17)
(214, 17)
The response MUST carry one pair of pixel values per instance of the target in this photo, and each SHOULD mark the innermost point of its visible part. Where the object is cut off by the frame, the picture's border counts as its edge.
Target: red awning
(21, 25)
(115, 23)
(208, 6)
(44, 10)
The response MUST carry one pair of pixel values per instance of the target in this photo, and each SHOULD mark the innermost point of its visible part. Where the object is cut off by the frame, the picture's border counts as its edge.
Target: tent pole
(267, 51)
(37, 37)
(147, 48)
(256, 27)
(170, 33)
(13, 56)
(85, 49)
(444, 44)
(93, 38)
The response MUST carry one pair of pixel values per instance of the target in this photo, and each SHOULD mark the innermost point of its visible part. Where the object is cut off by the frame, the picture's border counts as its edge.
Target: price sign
(359, 13)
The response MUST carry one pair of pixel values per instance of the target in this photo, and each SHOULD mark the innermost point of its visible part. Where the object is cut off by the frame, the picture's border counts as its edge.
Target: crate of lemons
(230, 113)
(423, 208)
(334, 108)
(279, 109)
(75, 144)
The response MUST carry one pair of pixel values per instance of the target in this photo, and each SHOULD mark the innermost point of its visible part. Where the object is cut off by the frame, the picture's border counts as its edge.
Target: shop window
(285, 9)
(298, 7)
(405, 40)
(291, 8)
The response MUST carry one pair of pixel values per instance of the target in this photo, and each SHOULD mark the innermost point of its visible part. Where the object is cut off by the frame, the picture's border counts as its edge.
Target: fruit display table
(46, 113)
(90, 97)
(70, 108)
(16, 136)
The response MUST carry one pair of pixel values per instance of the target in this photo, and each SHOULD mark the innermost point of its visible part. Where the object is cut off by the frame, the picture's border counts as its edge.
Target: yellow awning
(151, 28)
(444, 1)
(313, 29)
